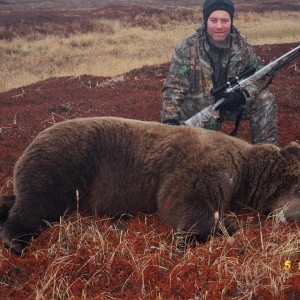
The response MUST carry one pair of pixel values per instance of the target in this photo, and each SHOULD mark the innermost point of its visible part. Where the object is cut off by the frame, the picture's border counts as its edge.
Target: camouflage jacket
(197, 66)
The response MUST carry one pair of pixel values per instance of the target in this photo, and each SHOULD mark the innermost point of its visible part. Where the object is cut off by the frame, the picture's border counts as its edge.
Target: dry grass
(136, 258)
(262, 266)
(118, 260)
(114, 47)
(270, 27)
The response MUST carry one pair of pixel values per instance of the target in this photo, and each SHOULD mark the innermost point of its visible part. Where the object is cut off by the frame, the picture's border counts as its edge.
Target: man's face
(218, 26)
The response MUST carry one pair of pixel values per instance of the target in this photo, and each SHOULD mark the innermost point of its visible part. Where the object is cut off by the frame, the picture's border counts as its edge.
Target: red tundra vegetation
(85, 257)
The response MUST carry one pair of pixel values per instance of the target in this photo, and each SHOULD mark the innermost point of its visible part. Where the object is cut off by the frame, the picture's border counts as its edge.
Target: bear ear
(292, 149)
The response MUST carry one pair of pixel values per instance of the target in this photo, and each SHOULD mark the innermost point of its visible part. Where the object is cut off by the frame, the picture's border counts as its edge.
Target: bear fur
(121, 166)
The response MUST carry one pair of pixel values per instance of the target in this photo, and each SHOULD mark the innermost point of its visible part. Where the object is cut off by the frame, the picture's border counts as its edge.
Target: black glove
(233, 101)
(171, 122)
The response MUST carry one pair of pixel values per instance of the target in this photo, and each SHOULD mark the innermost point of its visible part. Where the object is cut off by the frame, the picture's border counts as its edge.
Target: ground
(27, 110)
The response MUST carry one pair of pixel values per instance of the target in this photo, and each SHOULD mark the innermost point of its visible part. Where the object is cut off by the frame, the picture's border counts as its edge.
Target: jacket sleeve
(255, 88)
(177, 83)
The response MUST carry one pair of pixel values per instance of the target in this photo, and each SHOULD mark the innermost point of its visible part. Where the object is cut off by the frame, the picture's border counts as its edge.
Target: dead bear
(189, 175)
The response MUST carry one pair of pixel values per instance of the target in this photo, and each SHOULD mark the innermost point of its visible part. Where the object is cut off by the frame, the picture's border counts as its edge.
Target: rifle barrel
(251, 75)
(272, 66)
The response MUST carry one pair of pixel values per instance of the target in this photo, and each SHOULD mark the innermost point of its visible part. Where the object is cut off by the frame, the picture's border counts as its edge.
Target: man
(208, 59)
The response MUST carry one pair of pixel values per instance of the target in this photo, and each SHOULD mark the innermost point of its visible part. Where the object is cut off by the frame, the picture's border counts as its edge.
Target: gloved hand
(233, 101)
(171, 122)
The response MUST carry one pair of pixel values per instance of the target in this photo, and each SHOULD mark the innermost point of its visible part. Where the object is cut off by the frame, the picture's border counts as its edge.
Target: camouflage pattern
(186, 90)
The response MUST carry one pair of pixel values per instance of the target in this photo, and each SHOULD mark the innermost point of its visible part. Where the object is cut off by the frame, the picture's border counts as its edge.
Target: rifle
(249, 76)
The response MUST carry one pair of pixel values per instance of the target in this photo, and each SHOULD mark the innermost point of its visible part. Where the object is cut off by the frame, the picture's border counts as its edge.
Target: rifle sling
(237, 122)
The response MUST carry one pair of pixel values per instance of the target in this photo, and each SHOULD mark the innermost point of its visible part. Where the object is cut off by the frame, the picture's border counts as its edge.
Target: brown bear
(121, 166)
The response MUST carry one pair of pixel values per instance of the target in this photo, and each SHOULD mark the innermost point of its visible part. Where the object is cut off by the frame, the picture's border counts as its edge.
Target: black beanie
(212, 5)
